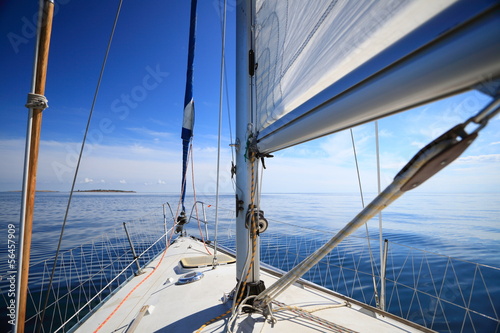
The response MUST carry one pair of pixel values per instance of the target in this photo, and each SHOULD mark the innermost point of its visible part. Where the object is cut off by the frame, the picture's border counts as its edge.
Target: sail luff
(35, 118)
(188, 120)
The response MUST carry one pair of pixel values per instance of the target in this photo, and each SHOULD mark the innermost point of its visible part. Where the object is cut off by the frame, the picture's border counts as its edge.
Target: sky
(134, 138)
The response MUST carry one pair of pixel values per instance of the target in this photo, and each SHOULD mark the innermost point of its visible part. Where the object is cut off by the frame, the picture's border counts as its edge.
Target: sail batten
(330, 63)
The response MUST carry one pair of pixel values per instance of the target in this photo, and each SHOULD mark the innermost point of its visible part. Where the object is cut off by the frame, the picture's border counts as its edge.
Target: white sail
(328, 65)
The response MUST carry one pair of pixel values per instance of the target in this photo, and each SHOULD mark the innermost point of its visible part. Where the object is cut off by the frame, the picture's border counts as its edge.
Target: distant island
(114, 191)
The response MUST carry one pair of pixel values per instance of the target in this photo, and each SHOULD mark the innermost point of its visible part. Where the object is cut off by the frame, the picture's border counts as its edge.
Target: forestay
(323, 66)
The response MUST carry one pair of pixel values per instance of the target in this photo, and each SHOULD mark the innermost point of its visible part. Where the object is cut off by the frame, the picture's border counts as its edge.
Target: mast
(36, 103)
(247, 247)
(188, 121)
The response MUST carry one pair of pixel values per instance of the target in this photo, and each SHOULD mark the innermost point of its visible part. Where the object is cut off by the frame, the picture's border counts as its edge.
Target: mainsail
(325, 66)
(188, 121)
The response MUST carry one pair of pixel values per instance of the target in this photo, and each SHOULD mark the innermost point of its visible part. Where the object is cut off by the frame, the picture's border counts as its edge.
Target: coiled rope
(37, 102)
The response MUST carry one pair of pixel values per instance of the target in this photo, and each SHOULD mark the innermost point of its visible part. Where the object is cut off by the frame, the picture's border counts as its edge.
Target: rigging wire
(426, 163)
(219, 133)
(222, 12)
(366, 224)
(196, 202)
(380, 227)
(101, 74)
(101, 325)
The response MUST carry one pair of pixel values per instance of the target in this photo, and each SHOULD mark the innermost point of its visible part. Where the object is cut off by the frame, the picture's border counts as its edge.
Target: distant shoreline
(35, 191)
(107, 191)
(91, 191)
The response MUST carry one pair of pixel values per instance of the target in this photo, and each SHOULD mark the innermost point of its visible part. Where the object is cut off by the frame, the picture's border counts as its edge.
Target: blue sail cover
(188, 121)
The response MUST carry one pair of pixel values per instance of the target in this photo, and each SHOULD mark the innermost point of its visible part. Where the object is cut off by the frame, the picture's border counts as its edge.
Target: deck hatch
(190, 278)
(207, 260)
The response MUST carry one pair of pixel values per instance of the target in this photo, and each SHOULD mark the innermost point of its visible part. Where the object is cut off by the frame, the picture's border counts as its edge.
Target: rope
(243, 282)
(316, 309)
(307, 314)
(140, 283)
(137, 286)
(101, 74)
(37, 102)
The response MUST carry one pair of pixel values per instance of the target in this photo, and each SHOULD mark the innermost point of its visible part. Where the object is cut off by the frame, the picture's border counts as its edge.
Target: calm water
(463, 226)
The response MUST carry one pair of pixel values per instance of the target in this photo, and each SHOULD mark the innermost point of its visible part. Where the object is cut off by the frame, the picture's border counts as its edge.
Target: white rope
(37, 102)
(315, 309)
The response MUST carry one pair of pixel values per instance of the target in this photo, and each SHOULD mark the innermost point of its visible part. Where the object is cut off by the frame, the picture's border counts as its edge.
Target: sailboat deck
(154, 302)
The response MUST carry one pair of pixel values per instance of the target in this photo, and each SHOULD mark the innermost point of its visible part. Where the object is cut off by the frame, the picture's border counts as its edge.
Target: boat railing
(443, 293)
(196, 215)
(440, 292)
(86, 275)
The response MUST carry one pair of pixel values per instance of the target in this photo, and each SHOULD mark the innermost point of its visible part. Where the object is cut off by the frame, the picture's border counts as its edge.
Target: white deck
(167, 307)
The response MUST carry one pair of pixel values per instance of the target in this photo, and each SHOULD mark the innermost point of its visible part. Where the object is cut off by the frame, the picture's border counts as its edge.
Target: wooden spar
(36, 120)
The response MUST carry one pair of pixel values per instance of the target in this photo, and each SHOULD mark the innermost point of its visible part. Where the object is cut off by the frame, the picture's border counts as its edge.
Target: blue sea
(446, 245)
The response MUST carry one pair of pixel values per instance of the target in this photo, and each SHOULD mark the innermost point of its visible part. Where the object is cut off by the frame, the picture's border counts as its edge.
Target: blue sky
(134, 141)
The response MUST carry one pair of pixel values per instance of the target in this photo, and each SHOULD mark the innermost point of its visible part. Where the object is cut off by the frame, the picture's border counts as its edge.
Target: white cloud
(491, 158)
(325, 165)
(138, 165)
(418, 144)
(149, 133)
